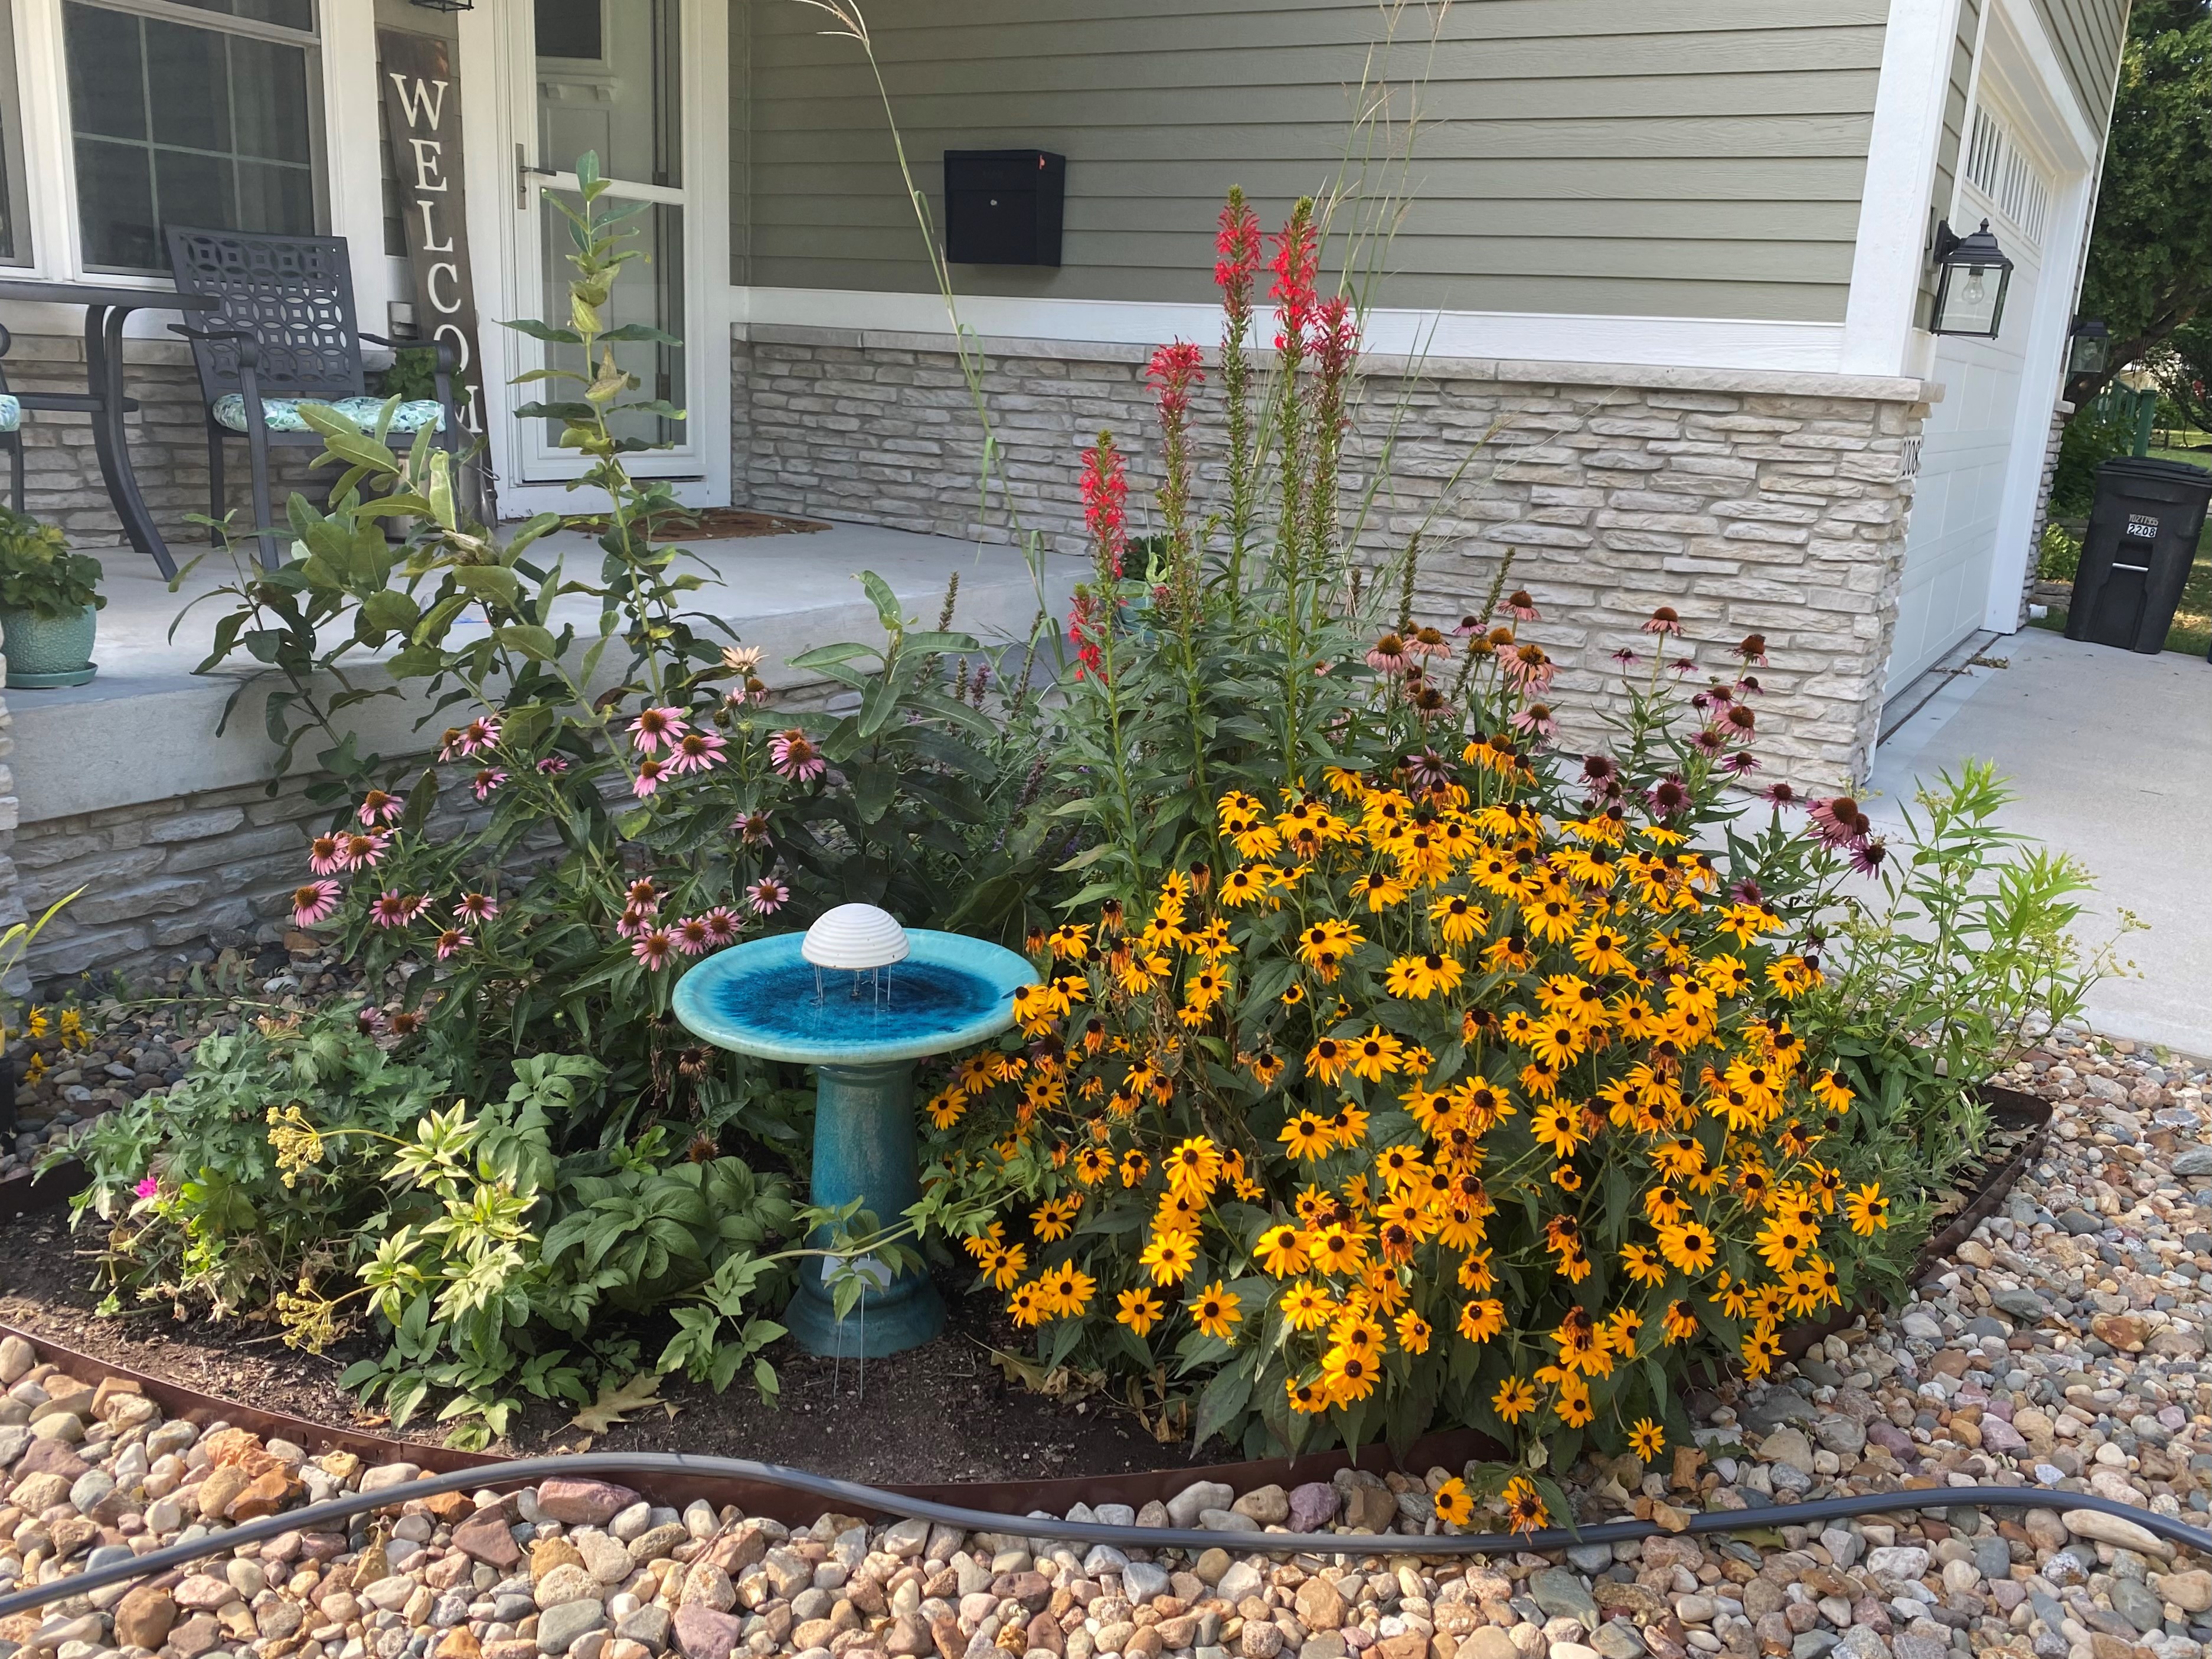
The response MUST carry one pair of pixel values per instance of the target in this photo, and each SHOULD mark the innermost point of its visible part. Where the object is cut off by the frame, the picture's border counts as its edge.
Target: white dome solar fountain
(859, 998)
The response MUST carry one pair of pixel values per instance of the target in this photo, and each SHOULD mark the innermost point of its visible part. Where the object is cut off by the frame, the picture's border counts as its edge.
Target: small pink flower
(147, 1187)
(654, 726)
(1710, 743)
(1427, 772)
(723, 925)
(1535, 717)
(796, 758)
(632, 922)
(393, 908)
(644, 896)
(751, 827)
(1468, 625)
(651, 773)
(324, 855)
(1387, 655)
(1665, 622)
(1748, 685)
(378, 807)
(360, 851)
(1836, 821)
(553, 765)
(1667, 797)
(473, 738)
(476, 907)
(486, 780)
(370, 1020)
(1684, 666)
(1626, 657)
(1519, 606)
(1529, 667)
(691, 936)
(651, 949)
(1780, 794)
(313, 903)
(696, 752)
(1867, 853)
(767, 895)
(1740, 763)
(451, 941)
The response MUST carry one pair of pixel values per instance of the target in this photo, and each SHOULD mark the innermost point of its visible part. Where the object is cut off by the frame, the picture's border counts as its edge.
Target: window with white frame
(1999, 166)
(15, 198)
(203, 113)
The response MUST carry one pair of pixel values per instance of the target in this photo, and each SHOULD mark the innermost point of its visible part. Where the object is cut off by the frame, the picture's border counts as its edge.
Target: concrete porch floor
(145, 728)
(2110, 757)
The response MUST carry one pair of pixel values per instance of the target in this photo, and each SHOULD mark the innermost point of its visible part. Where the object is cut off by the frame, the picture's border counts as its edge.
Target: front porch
(127, 789)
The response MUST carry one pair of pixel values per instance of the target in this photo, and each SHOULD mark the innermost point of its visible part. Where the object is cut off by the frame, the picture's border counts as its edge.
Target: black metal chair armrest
(249, 349)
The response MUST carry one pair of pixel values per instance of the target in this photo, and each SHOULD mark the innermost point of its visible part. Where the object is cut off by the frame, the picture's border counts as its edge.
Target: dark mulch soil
(940, 1412)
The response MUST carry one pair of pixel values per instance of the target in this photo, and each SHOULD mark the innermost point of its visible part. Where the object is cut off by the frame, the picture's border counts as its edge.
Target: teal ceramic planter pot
(862, 1033)
(43, 652)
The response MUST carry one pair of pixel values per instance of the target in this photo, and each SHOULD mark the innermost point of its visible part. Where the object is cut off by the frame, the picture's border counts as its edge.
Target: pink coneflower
(393, 908)
(792, 754)
(451, 941)
(1746, 891)
(1535, 717)
(1718, 696)
(1866, 854)
(754, 692)
(486, 780)
(751, 827)
(654, 726)
(1836, 820)
(653, 947)
(147, 1187)
(1519, 606)
(378, 807)
(695, 751)
(553, 765)
(404, 1022)
(370, 1020)
(723, 925)
(651, 771)
(644, 895)
(1387, 655)
(1668, 796)
(1683, 666)
(1748, 685)
(360, 851)
(1468, 625)
(314, 901)
(1600, 773)
(1739, 722)
(691, 936)
(475, 738)
(1740, 763)
(324, 854)
(1780, 794)
(1428, 642)
(1665, 622)
(1427, 772)
(1530, 668)
(1753, 648)
(476, 907)
(767, 895)
(1710, 743)
(632, 922)
(1626, 657)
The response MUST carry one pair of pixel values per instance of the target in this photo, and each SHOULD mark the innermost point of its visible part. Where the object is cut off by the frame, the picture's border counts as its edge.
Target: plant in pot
(50, 603)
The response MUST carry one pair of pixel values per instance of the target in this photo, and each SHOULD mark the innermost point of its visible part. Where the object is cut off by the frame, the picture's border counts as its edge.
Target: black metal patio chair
(283, 333)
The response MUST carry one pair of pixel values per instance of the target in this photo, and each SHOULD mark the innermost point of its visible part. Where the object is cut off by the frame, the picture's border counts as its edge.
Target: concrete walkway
(2109, 755)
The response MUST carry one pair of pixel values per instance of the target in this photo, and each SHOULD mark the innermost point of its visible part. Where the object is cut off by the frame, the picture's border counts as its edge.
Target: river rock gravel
(2062, 1349)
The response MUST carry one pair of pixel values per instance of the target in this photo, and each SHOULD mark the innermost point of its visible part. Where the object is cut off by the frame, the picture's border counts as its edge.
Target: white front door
(642, 85)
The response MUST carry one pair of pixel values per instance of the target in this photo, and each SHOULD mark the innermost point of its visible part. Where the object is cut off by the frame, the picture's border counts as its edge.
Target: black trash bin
(2136, 558)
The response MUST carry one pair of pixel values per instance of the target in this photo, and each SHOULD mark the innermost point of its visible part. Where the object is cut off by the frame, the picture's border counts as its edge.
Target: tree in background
(2183, 368)
(2150, 254)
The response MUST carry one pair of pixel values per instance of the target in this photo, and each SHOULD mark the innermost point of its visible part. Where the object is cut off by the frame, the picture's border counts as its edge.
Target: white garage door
(1952, 545)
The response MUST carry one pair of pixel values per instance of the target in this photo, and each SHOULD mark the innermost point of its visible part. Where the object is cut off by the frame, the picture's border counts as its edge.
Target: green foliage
(2097, 433)
(2150, 254)
(38, 574)
(413, 374)
(1941, 981)
(2059, 559)
(588, 842)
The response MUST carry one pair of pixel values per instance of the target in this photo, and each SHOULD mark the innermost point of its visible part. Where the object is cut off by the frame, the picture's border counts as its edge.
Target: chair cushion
(283, 414)
(11, 413)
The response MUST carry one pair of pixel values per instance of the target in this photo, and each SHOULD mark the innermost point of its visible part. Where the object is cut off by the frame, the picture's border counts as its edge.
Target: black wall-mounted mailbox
(1002, 207)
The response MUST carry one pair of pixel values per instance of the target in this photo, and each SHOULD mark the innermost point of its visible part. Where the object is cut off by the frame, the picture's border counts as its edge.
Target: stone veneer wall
(168, 445)
(1770, 503)
(2058, 419)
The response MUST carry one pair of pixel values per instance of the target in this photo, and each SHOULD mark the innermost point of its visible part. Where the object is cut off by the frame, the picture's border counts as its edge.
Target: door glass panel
(649, 290)
(606, 85)
(14, 231)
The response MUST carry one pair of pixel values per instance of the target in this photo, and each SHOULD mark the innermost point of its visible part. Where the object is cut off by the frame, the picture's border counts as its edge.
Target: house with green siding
(1665, 269)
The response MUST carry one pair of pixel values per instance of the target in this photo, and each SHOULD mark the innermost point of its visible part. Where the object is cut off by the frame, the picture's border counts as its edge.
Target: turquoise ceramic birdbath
(861, 1024)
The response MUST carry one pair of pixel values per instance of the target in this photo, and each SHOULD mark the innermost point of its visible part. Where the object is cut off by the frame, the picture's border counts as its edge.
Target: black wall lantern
(1970, 295)
(2090, 346)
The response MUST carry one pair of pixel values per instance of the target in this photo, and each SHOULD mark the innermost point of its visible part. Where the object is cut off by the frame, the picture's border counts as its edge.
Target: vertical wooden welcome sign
(422, 115)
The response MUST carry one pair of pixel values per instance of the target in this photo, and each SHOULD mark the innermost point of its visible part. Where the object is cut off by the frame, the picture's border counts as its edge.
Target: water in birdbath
(796, 1002)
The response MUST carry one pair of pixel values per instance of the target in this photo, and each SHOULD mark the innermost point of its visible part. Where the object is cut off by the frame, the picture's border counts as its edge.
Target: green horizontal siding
(1625, 157)
(2087, 34)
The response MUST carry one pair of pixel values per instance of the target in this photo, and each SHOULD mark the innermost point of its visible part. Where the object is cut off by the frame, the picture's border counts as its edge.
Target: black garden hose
(867, 1499)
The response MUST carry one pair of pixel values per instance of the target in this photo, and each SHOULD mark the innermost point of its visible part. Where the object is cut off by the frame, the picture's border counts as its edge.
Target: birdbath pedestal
(859, 998)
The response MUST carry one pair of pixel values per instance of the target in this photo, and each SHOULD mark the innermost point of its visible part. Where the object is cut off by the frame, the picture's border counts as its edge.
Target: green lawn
(2192, 619)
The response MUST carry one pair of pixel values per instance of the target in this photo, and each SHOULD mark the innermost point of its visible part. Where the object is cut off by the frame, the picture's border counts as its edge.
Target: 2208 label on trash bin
(2142, 527)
